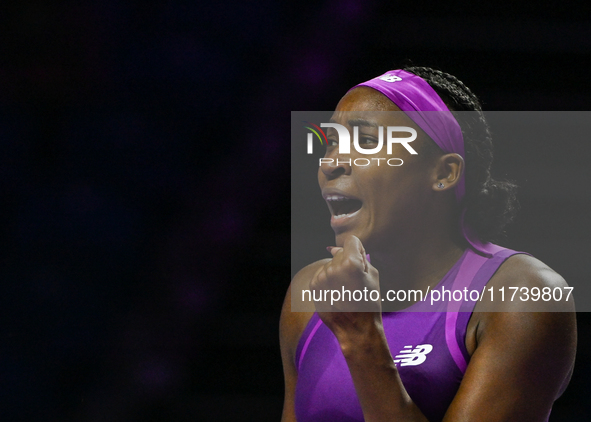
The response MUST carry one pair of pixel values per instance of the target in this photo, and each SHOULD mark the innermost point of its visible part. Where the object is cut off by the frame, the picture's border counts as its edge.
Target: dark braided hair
(490, 204)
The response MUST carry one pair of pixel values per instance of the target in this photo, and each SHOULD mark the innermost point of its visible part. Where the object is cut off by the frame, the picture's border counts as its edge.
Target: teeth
(349, 207)
(336, 198)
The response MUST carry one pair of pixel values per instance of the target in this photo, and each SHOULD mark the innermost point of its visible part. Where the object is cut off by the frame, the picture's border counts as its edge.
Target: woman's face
(379, 204)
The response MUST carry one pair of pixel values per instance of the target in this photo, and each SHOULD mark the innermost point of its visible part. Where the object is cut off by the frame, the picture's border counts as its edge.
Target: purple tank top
(428, 349)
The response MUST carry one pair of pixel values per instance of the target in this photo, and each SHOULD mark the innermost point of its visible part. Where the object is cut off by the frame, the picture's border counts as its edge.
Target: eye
(332, 142)
(367, 142)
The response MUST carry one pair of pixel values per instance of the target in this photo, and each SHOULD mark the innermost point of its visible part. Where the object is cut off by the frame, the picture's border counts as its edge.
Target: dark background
(145, 184)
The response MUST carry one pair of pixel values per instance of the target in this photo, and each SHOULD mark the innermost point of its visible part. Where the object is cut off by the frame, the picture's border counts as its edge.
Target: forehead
(368, 104)
(364, 98)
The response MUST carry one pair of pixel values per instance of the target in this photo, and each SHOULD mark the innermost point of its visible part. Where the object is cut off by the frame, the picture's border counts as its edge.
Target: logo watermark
(344, 143)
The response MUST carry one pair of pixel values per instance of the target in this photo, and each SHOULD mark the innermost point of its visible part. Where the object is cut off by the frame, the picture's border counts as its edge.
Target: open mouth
(341, 206)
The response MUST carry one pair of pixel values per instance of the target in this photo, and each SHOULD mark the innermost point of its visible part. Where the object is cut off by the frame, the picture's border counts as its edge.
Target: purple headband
(413, 95)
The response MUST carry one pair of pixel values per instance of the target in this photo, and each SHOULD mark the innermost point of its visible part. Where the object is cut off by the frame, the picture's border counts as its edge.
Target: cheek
(395, 187)
(383, 180)
(380, 189)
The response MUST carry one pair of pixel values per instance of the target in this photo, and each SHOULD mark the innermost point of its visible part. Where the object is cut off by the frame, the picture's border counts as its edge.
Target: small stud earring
(440, 185)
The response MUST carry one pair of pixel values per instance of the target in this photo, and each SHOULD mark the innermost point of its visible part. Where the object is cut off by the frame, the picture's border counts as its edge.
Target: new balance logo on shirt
(413, 357)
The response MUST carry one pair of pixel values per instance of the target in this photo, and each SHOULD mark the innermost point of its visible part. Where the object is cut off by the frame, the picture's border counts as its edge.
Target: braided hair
(490, 204)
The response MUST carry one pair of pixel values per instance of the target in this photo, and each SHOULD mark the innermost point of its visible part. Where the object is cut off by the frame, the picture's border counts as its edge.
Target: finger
(354, 249)
(353, 243)
(333, 250)
(354, 246)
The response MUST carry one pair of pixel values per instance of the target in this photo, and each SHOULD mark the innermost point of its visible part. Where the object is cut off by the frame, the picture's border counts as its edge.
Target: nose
(334, 164)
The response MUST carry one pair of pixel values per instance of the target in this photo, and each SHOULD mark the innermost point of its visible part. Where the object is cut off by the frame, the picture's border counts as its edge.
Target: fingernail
(329, 248)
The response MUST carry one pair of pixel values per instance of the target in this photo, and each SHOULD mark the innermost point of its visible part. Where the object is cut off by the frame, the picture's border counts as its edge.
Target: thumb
(354, 246)
(333, 250)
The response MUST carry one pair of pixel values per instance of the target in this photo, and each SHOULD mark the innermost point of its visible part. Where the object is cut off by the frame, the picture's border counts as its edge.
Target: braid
(490, 204)
(454, 93)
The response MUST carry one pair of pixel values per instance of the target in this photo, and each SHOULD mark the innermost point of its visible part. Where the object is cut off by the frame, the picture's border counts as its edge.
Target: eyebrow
(359, 122)
(362, 122)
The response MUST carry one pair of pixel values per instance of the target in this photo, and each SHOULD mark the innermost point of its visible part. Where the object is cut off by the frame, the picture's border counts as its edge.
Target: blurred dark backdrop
(145, 184)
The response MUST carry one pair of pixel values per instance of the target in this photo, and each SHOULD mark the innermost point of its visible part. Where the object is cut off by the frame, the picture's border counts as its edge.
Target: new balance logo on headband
(413, 357)
(390, 78)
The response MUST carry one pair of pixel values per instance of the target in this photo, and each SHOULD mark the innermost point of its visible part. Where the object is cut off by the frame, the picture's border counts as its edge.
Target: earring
(440, 185)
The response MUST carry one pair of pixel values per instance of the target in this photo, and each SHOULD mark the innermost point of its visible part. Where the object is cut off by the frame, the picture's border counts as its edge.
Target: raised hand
(350, 291)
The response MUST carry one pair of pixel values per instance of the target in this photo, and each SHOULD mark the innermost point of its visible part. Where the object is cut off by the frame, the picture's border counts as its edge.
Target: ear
(447, 171)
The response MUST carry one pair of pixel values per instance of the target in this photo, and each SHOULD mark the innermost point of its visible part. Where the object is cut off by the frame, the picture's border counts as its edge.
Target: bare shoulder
(529, 300)
(530, 285)
(526, 270)
(521, 361)
(292, 323)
